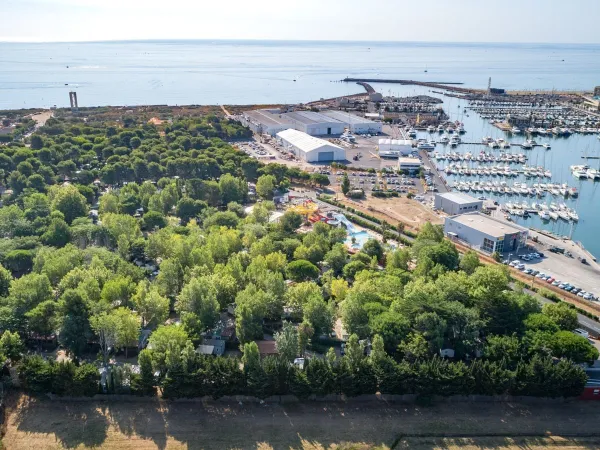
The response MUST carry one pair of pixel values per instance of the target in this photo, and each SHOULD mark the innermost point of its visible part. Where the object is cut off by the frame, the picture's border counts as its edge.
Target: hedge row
(221, 376)
(363, 223)
(547, 293)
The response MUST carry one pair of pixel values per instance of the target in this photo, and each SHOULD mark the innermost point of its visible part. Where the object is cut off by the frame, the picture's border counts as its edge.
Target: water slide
(342, 219)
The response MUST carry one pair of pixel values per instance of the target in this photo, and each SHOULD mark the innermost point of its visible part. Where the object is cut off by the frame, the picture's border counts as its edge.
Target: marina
(526, 172)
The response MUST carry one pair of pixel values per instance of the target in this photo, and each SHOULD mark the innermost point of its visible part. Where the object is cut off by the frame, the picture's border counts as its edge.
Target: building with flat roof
(355, 123)
(454, 203)
(309, 148)
(395, 147)
(486, 233)
(409, 164)
(265, 121)
(314, 123)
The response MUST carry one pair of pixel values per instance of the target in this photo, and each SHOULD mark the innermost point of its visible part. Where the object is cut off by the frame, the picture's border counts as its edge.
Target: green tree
(319, 315)
(105, 326)
(11, 347)
(345, 184)
(166, 341)
(265, 186)
(58, 233)
(302, 270)
(152, 307)
(469, 262)
(68, 201)
(5, 281)
(251, 309)
(199, 296)
(128, 328)
(564, 316)
(566, 344)
(286, 341)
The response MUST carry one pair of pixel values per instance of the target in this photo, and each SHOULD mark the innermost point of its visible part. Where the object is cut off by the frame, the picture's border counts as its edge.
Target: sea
(273, 72)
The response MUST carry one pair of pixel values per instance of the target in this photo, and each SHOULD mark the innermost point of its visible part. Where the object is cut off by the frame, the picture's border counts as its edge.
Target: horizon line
(357, 41)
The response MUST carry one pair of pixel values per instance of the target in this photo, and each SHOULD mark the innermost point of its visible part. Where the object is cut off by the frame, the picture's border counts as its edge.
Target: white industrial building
(486, 233)
(454, 203)
(409, 164)
(395, 147)
(309, 148)
(265, 121)
(355, 124)
(314, 123)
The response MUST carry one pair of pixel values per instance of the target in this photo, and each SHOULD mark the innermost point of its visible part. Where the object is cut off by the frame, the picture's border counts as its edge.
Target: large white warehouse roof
(347, 117)
(305, 142)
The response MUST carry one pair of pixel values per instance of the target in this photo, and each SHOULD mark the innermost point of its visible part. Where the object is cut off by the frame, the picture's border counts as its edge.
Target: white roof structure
(395, 142)
(458, 198)
(488, 225)
(348, 118)
(303, 141)
(309, 148)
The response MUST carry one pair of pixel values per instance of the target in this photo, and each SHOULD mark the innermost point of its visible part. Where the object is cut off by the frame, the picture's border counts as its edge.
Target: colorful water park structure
(310, 211)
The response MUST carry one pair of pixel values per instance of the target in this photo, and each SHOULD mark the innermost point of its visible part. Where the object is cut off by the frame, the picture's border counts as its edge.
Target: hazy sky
(572, 21)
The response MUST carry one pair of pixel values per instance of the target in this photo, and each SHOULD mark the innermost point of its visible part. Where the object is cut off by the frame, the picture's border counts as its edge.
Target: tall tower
(489, 85)
(73, 100)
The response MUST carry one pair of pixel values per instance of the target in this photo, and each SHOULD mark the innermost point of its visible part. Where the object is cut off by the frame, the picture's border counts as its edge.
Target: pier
(447, 85)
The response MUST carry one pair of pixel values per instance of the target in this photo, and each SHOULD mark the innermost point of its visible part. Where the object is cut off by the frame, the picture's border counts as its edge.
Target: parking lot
(391, 181)
(562, 270)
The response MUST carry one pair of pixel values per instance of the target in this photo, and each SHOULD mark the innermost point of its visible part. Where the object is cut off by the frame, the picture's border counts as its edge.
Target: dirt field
(411, 212)
(161, 425)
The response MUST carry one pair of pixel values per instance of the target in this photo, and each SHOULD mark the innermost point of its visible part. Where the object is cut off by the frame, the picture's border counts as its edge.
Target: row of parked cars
(568, 287)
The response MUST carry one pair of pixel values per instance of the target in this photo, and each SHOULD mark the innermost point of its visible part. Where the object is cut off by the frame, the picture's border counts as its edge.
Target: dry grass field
(44, 424)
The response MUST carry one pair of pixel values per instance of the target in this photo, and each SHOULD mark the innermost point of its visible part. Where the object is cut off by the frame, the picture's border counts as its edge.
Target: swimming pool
(360, 238)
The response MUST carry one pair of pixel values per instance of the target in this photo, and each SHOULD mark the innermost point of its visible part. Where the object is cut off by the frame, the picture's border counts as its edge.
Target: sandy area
(167, 425)
(41, 118)
(395, 209)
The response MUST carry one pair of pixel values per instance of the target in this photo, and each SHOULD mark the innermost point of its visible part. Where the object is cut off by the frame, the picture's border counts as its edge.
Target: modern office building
(309, 148)
(409, 164)
(454, 203)
(486, 233)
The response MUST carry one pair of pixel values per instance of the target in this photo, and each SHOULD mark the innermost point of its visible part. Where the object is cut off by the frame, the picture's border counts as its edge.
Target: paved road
(437, 179)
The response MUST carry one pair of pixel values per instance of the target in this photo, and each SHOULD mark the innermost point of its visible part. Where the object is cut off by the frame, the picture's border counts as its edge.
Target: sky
(552, 21)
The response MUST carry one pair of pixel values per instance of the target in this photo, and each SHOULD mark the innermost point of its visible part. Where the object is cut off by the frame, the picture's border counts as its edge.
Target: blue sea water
(252, 72)
(260, 72)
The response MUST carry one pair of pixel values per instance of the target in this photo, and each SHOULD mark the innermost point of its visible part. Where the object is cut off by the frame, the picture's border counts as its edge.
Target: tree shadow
(72, 424)
(144, 419)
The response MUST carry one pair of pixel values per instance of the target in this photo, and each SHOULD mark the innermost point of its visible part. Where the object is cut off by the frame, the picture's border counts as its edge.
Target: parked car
(556, 283)
(581, 293)
(581, 332)
(588, 297)
(541, 275)
(550, 280)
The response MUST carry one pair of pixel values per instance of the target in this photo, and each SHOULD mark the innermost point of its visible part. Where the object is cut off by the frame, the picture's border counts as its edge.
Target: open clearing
(395, 209)
(45, 424)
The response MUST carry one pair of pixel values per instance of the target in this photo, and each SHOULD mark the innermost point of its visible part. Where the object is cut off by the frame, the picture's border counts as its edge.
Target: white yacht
(526, 145)
(460, 129)
(430, 129)
(444, 139)
(425, 146)
(546, 146)
(440, 128)
(544, 215)
(515, 130)
(412, 132)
